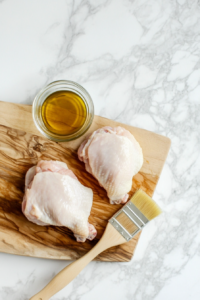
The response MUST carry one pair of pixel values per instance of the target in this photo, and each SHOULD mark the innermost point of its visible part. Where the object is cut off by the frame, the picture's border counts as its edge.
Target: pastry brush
(121, 228)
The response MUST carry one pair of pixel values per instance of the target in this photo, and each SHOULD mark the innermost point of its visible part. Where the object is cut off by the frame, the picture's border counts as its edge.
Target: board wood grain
(22, 146)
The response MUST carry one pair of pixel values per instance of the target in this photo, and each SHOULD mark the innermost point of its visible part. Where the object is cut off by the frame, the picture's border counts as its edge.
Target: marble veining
(140, 61)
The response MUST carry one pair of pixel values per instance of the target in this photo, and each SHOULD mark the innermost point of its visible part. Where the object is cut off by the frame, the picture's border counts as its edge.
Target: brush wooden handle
(110, 238)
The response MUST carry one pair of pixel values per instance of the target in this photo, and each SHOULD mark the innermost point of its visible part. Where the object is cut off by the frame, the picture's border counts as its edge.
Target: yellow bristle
(146, 205)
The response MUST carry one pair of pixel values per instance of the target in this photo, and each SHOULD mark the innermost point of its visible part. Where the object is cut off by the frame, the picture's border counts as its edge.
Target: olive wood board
(21, 146)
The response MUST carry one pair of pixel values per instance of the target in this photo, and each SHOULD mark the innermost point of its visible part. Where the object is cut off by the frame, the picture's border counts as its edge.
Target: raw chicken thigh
(113, 157)
(54, 196)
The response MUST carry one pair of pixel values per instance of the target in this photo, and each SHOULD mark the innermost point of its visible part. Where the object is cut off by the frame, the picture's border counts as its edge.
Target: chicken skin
(54, 196)
(113, 157)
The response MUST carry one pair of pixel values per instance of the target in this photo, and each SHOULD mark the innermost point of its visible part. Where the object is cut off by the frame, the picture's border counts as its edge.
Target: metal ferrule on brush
(128, 221)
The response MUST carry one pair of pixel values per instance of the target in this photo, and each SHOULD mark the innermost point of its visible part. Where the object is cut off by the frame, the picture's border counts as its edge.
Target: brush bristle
(146, 205)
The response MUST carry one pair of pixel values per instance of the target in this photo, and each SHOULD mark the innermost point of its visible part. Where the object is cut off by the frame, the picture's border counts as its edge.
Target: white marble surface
(140, 61)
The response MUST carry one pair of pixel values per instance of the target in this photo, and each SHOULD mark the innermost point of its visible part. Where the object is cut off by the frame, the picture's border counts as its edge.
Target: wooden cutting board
(21, 146)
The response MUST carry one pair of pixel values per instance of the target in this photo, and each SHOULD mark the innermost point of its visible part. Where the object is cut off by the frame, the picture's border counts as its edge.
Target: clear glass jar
(62, 85)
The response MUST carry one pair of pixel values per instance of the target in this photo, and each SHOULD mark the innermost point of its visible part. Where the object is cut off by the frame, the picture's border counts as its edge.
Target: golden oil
(64, 112)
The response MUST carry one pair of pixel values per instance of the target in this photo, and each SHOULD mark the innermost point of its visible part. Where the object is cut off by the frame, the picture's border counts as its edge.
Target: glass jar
(62, 85)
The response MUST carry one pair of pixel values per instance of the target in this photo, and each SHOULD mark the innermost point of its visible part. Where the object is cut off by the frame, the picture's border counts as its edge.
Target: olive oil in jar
(64, 112)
